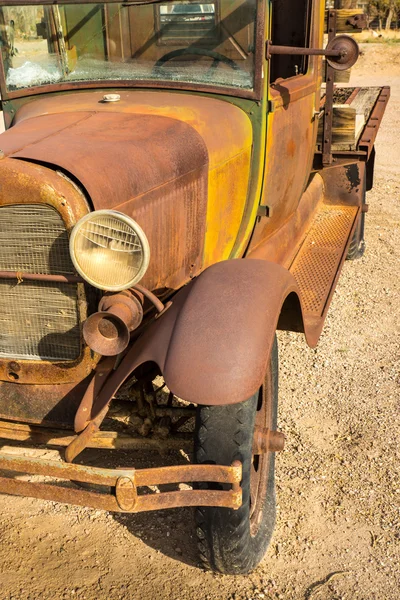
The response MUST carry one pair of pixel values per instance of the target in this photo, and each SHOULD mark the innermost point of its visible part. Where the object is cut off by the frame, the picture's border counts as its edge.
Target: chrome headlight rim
(136, 228)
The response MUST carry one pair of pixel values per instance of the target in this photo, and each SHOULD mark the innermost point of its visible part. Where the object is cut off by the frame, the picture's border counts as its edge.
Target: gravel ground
(338, 483)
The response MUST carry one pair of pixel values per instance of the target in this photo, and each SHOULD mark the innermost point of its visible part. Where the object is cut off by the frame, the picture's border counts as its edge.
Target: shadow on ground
(170, 532)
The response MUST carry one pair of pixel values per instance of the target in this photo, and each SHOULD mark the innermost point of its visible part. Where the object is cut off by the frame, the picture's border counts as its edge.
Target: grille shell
(38, 320)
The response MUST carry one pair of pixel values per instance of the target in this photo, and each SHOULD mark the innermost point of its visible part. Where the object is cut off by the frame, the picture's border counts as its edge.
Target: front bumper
(124, 484)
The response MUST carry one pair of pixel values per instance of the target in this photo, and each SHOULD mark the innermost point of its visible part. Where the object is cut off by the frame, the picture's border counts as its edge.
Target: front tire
(235, 541)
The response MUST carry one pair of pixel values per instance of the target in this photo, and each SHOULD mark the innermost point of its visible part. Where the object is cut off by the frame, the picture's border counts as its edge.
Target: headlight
(109, 250)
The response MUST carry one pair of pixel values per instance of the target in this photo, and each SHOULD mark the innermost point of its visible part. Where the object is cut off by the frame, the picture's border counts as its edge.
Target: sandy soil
(338, 484)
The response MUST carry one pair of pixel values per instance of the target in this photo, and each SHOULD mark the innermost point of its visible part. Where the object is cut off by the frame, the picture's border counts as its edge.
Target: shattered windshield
(185, 42)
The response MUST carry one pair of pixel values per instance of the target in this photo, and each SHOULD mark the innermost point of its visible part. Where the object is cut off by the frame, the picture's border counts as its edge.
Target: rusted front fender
(222, 337)
(213, 345)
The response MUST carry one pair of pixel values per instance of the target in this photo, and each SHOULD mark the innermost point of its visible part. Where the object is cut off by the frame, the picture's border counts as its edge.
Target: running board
(317, 263)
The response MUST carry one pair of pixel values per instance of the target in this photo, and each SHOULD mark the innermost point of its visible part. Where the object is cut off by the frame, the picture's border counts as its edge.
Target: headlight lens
(109, 250)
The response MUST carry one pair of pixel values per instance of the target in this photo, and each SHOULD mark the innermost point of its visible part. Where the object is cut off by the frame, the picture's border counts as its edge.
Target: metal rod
(159, 306)
(182, 411)
(20, 277)
(123, 408)
(328, 108)
(292, 50)
(106, 440)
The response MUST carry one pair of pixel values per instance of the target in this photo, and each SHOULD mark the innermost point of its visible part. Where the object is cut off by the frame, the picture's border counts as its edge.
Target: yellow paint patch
(227, 193)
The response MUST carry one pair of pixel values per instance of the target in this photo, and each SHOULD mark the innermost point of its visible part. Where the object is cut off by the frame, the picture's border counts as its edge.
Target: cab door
(293, 99)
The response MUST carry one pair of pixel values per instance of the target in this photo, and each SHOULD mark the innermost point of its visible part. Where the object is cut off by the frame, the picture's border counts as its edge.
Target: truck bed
(357, 114)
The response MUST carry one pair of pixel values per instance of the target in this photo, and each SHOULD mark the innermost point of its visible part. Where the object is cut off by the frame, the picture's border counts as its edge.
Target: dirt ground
(338, 484)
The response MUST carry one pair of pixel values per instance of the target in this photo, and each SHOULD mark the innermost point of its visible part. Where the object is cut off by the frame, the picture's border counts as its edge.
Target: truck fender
(213, 344)
(223, 336)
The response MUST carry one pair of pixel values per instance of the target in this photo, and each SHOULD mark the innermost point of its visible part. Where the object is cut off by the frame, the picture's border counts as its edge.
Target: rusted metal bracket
(125, 482)
(264, 210)
(82, 440)
(100, 374)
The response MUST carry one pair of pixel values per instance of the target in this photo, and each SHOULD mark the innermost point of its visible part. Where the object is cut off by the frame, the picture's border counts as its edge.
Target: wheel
(357, 244)
(235, 541)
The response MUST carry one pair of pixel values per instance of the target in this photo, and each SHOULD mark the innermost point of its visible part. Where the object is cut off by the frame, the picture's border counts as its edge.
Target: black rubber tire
(223, 434)
(357, 244)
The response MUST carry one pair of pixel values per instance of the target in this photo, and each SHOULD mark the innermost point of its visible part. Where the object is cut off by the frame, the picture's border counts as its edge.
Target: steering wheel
(197, 52)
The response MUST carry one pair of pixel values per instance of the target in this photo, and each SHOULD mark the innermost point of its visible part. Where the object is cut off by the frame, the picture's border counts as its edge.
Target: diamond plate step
(319, 257)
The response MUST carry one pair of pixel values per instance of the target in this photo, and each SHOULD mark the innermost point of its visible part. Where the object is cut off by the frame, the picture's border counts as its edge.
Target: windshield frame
(254, 94)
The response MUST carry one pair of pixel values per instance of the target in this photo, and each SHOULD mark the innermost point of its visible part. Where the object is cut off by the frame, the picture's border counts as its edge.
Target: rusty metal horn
(107, 332)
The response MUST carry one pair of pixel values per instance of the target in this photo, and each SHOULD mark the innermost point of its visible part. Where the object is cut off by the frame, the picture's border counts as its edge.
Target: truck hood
(115, 156)
(147, 156)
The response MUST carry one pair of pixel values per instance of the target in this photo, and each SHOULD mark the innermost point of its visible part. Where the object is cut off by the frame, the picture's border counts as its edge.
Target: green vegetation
(386, 11)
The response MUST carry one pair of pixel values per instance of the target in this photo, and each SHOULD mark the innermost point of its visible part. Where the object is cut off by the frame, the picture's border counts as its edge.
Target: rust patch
(53, 404)
(291, 148)
(152, 168)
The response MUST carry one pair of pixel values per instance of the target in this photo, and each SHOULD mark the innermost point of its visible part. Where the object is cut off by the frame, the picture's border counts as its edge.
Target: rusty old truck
(178, 181)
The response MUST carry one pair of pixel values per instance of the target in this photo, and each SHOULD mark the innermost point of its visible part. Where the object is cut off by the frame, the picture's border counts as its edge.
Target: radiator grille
(38, 320)
(33, 239)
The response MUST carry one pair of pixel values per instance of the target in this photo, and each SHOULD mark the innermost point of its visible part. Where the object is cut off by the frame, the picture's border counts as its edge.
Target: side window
(290, 27)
